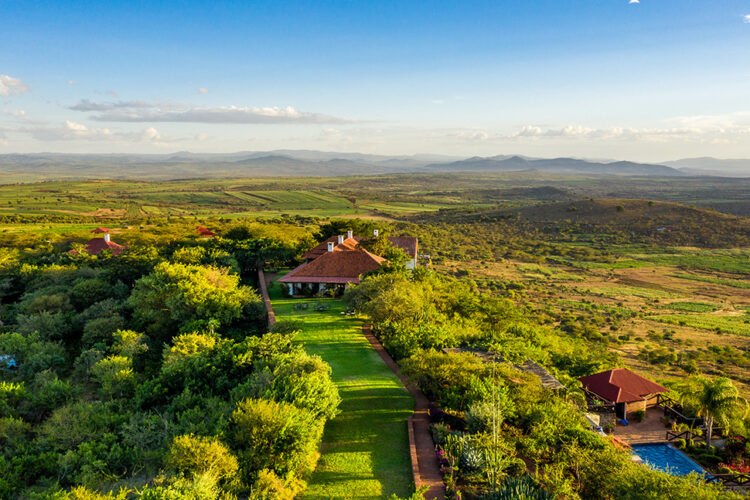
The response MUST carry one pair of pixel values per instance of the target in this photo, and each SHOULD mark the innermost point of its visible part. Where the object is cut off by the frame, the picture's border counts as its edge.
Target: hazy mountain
(558, 165)
(183, 164)
(712, 166)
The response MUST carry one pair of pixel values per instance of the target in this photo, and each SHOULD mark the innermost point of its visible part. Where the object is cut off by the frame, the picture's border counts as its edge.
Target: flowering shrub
(740, 465)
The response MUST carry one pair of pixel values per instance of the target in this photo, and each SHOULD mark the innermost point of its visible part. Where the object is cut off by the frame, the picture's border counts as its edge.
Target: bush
(197, 455)
(115, 374)
(100, 330)
(270, 487)
(289, 328)
(276, 436)
(298, 378)
(639, 415)
(480, 414)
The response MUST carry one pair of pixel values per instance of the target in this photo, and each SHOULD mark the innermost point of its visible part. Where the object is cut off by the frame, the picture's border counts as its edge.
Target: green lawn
(365, 450)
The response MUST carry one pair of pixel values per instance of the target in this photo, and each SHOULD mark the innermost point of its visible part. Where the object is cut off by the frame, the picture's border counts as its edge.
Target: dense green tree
(713, 399)
(175, 295)
(274, 435)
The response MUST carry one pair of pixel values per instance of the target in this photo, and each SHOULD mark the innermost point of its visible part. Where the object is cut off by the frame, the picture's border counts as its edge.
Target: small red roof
(621, 385)
(101, 230)
(343, 265)
(204, 232)
(97, 245)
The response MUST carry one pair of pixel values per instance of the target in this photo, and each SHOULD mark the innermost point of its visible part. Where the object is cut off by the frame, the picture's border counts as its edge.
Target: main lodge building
(340, 261)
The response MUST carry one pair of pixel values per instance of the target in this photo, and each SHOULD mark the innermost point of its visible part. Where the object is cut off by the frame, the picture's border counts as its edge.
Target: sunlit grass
(365, 452)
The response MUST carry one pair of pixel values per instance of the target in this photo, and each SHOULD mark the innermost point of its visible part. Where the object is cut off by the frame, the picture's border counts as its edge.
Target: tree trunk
(709, 430)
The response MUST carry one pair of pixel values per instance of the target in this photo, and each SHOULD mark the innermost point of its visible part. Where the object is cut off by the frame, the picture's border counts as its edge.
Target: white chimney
(330, 246)
(341, 239)
(106, 236)
(350, 234)
(375, 232)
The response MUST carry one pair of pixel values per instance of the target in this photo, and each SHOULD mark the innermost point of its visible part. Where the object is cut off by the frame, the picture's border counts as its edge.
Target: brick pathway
(427, 470)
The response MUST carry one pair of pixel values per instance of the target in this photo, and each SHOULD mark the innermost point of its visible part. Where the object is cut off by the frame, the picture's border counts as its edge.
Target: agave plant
(518, 488)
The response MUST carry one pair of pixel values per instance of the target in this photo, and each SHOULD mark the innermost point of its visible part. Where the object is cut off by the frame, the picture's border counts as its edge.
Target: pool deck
(650, 430)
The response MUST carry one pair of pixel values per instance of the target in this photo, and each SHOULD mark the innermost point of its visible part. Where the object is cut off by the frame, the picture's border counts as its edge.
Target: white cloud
(71, 82)
(634, 1)
(72, 131)
(699, 129)
(471, 135)
(153, 112)
(202, 90)
(86, 105)
(138, 111)
(746, 18)
(10, 86)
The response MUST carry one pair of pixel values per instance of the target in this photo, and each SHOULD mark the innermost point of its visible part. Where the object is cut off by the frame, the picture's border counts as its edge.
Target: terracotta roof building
(101, 230)
(97, 245)
(626, 389)
(409, 245)
(337, 261)
(202, 231)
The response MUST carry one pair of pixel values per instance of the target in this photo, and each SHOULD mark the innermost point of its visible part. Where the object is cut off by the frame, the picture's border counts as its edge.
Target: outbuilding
(627, 390)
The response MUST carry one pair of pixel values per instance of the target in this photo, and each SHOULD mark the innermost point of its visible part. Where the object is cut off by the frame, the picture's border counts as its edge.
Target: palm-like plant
(714, 400)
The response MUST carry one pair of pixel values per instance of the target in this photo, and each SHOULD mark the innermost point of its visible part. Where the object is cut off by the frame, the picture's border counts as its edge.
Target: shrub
(269, 486)
(288, 327)
(639, 415)
(480, 414)
(274, 435)
(196, 455)
(298, 378)
(100, 330)
(115, 374)
(439, 431)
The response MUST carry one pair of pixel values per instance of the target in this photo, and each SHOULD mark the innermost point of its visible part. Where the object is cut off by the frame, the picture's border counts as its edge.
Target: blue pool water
(667, 458)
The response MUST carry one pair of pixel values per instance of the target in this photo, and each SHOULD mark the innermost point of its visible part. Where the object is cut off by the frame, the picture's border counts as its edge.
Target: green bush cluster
(151, 369)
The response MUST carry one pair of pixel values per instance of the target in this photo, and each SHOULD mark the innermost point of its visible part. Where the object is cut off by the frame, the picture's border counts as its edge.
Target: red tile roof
(621, 385)
(408, 244)
(204, 232)
(97, 245)
(343, 265)
(100, 230)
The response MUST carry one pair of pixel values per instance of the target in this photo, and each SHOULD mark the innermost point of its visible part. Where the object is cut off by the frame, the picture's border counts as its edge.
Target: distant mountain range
(557, 165)
(712, 166)
(42, 166)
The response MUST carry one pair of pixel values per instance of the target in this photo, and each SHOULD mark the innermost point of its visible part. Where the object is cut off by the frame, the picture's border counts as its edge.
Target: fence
(731, 479)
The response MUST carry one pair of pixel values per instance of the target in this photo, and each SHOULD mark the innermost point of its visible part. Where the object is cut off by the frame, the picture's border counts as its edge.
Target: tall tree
(714, 400)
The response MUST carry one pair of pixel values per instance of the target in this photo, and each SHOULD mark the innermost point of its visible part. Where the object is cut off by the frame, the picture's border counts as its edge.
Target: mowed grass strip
(365, 450)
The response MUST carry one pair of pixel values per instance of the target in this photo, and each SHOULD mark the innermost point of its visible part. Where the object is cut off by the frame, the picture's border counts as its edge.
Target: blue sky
(649, 80)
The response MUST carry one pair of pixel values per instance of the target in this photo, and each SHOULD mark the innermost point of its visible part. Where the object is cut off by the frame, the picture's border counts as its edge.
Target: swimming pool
(667, 458)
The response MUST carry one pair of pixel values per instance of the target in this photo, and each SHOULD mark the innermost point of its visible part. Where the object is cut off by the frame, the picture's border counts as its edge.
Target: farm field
(366, 447)
(364, 196)
(683, 308)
